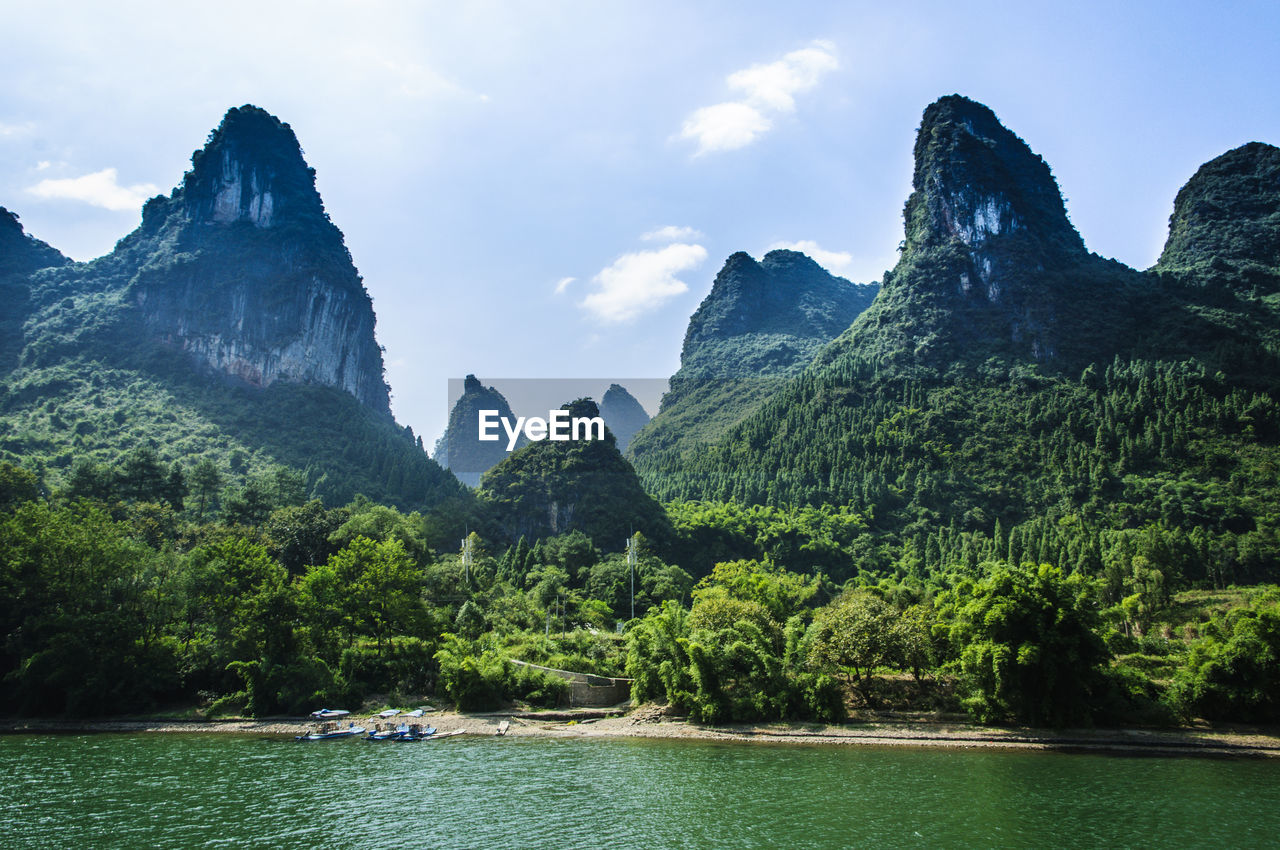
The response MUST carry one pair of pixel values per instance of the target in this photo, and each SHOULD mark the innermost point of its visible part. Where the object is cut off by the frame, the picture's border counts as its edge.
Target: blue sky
(547, 189)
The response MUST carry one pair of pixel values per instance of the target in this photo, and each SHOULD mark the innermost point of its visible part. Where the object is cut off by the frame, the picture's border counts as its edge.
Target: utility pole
(466, 559)
(631, 569)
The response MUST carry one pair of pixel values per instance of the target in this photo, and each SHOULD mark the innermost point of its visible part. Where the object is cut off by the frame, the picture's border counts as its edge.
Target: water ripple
(236, 791)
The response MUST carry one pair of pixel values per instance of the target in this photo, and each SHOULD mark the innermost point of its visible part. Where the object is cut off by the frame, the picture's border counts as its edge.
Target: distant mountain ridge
(762, 322)
(1226, 220)
(623, 414)
(555, 487)
(20, 256)
(768, 317)
(459, 448)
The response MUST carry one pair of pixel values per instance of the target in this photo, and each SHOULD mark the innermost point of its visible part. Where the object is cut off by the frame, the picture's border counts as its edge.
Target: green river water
(181, 790)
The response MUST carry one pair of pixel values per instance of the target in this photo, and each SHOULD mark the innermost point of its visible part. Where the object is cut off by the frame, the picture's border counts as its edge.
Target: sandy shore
(651, 722)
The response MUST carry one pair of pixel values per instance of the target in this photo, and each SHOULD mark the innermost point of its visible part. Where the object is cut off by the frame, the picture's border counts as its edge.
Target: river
(206, 790)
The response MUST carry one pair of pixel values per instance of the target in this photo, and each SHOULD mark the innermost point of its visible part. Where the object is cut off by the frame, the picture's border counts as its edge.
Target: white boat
(443, 735)
(329, 713)
(415, 733)
(390, 712)
(333, 734)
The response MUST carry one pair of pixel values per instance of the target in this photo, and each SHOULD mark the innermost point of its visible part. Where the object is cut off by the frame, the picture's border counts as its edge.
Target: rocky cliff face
(1226, 221)
(241, 268)
(990, 266)
(240, 274)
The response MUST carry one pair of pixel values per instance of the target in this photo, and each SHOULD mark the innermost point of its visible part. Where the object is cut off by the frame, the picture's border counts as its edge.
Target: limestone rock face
(241, 268)
(975, 179)
(991, 267)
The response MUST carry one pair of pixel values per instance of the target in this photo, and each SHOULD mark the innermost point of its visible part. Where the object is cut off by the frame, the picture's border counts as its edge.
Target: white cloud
(671, 233)
(775, 85)
(100, 189)
(639, 282)
(43, 165)
(767, 89)
(724, 127)
(836, 262)
(563, 284)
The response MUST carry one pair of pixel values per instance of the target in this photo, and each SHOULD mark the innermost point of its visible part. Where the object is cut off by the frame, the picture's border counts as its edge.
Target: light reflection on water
(233, 791)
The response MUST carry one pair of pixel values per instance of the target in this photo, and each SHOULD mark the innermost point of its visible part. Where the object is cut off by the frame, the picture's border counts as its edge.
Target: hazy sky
(546, 189)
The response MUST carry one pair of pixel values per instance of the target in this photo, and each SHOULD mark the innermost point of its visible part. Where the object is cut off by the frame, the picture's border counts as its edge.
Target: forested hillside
(1008, 385)
(1026, 483)
(230, 327)
(761, 323)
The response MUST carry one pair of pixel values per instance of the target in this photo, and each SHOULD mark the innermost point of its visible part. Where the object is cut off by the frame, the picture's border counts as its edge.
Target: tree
(175, 486)
(206, 483)
(472, 674)
(781, 592)
(301, 535)
(77, 616)
(88, 480)
(250, 506)
(17, 485)
(142, 477)
(658, 658)
(854, 635)
(1233, 671)
(367, 588)
(382, 523)
(1026, 640)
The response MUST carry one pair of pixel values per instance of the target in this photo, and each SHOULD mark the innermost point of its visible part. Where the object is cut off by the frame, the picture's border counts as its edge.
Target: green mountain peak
(1226, 220)
(232, 324)
(976, 181)
(241, 268)
(990, 266)
(251, 169)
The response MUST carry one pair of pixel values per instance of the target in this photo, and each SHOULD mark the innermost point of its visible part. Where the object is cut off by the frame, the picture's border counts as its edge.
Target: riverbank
(652, 722)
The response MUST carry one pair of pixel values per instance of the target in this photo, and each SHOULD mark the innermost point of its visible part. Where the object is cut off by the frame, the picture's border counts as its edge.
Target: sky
(546, 189)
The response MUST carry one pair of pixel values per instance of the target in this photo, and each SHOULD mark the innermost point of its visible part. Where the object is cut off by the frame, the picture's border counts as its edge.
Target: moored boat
(329, 713)
(388, 734)
(351, 731)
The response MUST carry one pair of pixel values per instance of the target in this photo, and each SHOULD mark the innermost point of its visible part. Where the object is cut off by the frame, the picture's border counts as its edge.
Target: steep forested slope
(231, 325)
(1005, 377)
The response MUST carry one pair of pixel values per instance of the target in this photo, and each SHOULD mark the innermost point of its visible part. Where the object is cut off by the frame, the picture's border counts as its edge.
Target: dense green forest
(1026, 483)
(141, 587)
